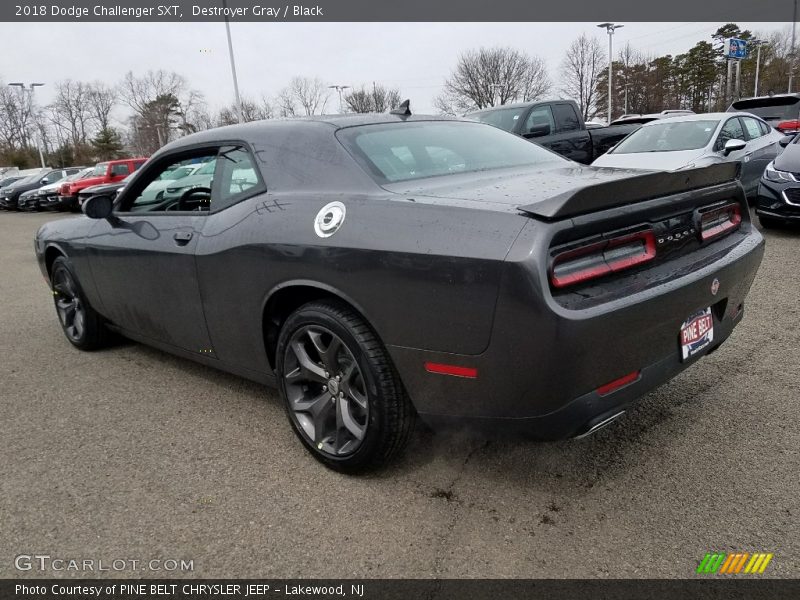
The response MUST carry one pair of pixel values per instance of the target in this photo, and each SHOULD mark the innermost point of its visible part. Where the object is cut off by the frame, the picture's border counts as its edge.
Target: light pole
(233, 64)
(340, 89)
(30, 89)
(758, 44)
(610, 27)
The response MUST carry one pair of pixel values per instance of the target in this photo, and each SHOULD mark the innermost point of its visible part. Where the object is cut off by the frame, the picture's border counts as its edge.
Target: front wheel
(82, 326)
(768, 222)
(342, 394)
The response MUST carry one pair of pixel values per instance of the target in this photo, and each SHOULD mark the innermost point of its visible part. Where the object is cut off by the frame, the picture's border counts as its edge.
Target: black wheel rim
(69, 307)
(326, 391)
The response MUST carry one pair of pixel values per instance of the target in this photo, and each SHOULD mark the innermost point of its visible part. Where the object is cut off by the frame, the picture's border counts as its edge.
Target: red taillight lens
(716, 222)
(788, 126)
(602, 258)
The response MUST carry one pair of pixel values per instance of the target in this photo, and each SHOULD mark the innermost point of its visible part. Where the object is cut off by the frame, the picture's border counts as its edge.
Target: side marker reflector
(613, 386)
(454, 370)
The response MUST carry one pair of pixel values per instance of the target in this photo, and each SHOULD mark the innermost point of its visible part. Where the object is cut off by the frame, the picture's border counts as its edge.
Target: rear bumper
(544, 364)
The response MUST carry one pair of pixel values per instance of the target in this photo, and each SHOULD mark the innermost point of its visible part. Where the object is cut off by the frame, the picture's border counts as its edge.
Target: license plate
(697, 332)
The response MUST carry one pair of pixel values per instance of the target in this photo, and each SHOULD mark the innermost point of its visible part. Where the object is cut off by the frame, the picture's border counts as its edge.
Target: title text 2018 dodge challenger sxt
(379, 267)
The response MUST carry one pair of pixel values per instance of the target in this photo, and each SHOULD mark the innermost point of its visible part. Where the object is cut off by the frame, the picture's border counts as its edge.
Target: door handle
(182, 237)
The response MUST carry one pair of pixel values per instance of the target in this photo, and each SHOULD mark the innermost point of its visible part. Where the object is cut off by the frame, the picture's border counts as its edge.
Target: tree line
(78, 126)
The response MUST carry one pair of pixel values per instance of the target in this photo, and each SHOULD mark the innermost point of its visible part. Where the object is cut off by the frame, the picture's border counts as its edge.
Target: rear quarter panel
(424, 276)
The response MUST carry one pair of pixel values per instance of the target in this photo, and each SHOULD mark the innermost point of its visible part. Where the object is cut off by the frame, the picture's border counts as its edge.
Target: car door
(733, 129)
(143, 262)
(761, 149)
(569, 139)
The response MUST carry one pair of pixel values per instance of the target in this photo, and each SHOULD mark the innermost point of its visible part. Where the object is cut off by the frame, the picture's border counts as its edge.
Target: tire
(327, 414)
(82, 326)
(768, 222)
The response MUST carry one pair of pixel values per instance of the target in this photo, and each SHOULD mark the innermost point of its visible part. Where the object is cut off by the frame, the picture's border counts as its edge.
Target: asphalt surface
(132, 454)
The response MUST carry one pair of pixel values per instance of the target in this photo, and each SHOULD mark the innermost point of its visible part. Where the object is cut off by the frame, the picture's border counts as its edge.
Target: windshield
(406, 151)
(504, 118)
(100, 170)
(668, 136)
(770, 109)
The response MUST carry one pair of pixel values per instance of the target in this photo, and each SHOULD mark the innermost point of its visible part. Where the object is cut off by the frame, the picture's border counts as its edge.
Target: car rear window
(774, 109)
(504, 118)
(407, 151)
(668, 136)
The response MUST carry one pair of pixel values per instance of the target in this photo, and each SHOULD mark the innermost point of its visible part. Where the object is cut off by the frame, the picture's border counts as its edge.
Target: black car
(104, 189)
(778, 199)
(781, 111)
(378, 267)
(6, 181)
(9, 196)
(557, 125)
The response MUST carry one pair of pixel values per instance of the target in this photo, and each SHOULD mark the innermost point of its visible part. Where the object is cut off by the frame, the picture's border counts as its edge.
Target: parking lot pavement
(132, 454)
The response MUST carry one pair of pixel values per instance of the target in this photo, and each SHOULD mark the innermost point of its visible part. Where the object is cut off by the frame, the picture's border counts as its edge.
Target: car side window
(120, 170)
(183, 186)
(236, 177)
(765, 129)
(732, 130)
(752, 128)
(538, 118)
(566, 117)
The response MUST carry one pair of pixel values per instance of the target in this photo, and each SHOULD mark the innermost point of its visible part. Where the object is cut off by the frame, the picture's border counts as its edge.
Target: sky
(415, 57)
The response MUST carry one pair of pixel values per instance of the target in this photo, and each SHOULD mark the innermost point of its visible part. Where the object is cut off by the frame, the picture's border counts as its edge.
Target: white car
(685, 142)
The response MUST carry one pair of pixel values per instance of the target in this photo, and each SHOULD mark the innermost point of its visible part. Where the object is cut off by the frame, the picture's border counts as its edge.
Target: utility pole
(340, 89)
(791, 52)
(233, 64)
(758, 44)
(729, 86)
(738, 77)
(610, 27)
(30, 89)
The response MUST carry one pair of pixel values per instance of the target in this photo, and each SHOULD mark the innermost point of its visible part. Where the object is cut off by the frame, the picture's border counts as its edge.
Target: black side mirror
(786, 140)
(539, 130)
(98, 207)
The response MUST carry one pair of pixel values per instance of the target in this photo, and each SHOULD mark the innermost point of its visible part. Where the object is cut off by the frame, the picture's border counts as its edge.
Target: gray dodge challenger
(378, 269)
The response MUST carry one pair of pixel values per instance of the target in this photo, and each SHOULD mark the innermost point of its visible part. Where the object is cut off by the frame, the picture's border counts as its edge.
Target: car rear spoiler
(619, 192)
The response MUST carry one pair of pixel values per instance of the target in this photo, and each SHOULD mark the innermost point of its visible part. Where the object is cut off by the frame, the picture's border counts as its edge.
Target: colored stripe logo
(734, 563)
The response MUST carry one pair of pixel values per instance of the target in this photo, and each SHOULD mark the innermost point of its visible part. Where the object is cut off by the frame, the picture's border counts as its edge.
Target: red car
(104, 172)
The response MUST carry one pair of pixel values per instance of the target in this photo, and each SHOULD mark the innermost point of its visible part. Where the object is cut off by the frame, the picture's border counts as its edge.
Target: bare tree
(580, 68)
(303, 95)
(72, 110)
(102, 100)
(17, 113)
(492, 76)
(139, 92)
(252, 110)
(378, 99)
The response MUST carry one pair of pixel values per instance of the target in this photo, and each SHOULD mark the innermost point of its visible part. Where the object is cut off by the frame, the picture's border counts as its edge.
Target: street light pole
(610, 27)
(758, 44)
(30, 89)
(233, 64)
(340, 89)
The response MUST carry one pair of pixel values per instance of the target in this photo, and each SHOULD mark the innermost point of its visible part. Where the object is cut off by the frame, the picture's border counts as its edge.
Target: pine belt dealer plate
(697, 332)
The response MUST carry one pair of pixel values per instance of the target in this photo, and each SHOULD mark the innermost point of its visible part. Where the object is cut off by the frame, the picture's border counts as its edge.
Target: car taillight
(597, 259)
(718, 221)
(788, 126)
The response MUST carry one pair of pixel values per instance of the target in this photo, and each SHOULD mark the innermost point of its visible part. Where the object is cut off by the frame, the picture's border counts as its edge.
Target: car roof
(715, 116)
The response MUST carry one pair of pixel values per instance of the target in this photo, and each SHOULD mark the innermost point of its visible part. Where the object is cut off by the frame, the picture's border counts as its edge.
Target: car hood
(51, 187)
(653, 161)
(84, 183)
(789, 159)
(558, 191)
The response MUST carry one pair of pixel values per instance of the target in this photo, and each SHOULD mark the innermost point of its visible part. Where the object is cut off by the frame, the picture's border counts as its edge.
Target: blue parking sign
(735, 48)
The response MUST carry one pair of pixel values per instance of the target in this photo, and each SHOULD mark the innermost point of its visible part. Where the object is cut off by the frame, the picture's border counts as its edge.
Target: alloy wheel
(70, 309)
(326, 391)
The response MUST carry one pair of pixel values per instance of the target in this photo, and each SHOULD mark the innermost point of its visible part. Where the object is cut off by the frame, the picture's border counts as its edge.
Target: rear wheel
(82, 326)
(342, 395)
